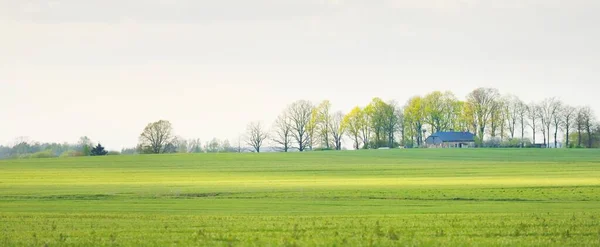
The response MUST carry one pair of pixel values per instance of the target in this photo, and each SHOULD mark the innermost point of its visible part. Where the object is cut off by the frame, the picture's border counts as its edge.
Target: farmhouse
(450, 140)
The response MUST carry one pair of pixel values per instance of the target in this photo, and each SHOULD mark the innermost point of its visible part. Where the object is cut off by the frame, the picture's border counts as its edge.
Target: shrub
(43, 154)
(113, 153)
(72, 153)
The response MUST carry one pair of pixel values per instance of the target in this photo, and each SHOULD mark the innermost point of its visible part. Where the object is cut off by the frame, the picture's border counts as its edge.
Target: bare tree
(337, 129)
(194, 146)
(256, 136)
(587, 120)
(156, 136)
(568, 115)
(522, 112)
(214, 146)
(512, 109)
(532, 113)
(300, 114)
(483, 103)
(239, 147)
(282, 132)
(546, 113)
(497, 118)
(557, 121)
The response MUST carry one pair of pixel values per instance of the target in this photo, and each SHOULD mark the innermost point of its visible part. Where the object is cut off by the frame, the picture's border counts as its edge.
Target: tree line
(25, 148)
(496, 120)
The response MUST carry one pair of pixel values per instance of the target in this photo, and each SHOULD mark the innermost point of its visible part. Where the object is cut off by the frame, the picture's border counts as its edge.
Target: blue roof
(454, 136)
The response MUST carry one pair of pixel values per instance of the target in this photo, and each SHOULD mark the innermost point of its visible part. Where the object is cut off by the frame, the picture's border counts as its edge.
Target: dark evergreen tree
(98, 151)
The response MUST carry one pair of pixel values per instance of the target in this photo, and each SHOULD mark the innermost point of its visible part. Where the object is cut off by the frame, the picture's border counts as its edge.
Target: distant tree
(23, 145)
(337, 129)
(522, 112)
(440, 110)
(256, 136)
(547, 110)
(85, 145)
(401, 125)
(497, 120)
(226, 147)
(129, 151)
(194, 146)
(353, 124)
(282, 132)
(377, 112)
(312, 129)
(170, 148)
(568, 113)
(181, 144)
(392, 122)
(557, 119)
(366, 125)
(156, 136)
(98, 151)
(301, 115)
(512, 109)
(322, 120)
(588, 121)
(214, 146)
(414, 117)
(532, 113)
(483, 102)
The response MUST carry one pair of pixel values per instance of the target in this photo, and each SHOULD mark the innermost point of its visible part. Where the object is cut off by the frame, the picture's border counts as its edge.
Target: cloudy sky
(105, 69)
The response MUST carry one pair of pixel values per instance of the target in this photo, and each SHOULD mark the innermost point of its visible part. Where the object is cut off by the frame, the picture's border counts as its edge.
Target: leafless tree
(568, 114)
(194, 146)
(483, 103)
(497, 119)
(532, 113)
(256, 135)
(214, 146)
(557, 119)
(337, 129)
(512, 109)
(587, 121)
(546, 113)
(282, 132)
(156, 136)
(579, 124)
(300, 113)
(522, 112)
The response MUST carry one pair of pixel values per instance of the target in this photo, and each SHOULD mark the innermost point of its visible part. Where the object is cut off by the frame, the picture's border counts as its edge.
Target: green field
(419, 197)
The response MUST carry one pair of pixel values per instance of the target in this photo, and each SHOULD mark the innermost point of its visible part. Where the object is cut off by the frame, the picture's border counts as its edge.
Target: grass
(358, 198)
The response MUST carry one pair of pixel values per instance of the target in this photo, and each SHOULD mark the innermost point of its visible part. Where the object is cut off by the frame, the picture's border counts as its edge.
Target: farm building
(450, 140)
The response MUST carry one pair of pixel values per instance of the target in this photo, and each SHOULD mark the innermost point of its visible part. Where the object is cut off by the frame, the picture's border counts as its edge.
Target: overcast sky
(107, 68)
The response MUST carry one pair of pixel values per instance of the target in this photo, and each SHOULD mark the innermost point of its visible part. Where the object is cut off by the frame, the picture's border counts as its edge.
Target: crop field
(420, 197)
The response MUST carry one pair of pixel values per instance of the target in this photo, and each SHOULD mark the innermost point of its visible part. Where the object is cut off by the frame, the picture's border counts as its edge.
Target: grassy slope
(384, 197)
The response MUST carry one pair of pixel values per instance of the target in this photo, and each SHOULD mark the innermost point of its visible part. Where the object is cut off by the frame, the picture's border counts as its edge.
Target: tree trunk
(567, 141)
(589, 132)
(548, 129)
(555, 134)
(579, 137)
(522, 137)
